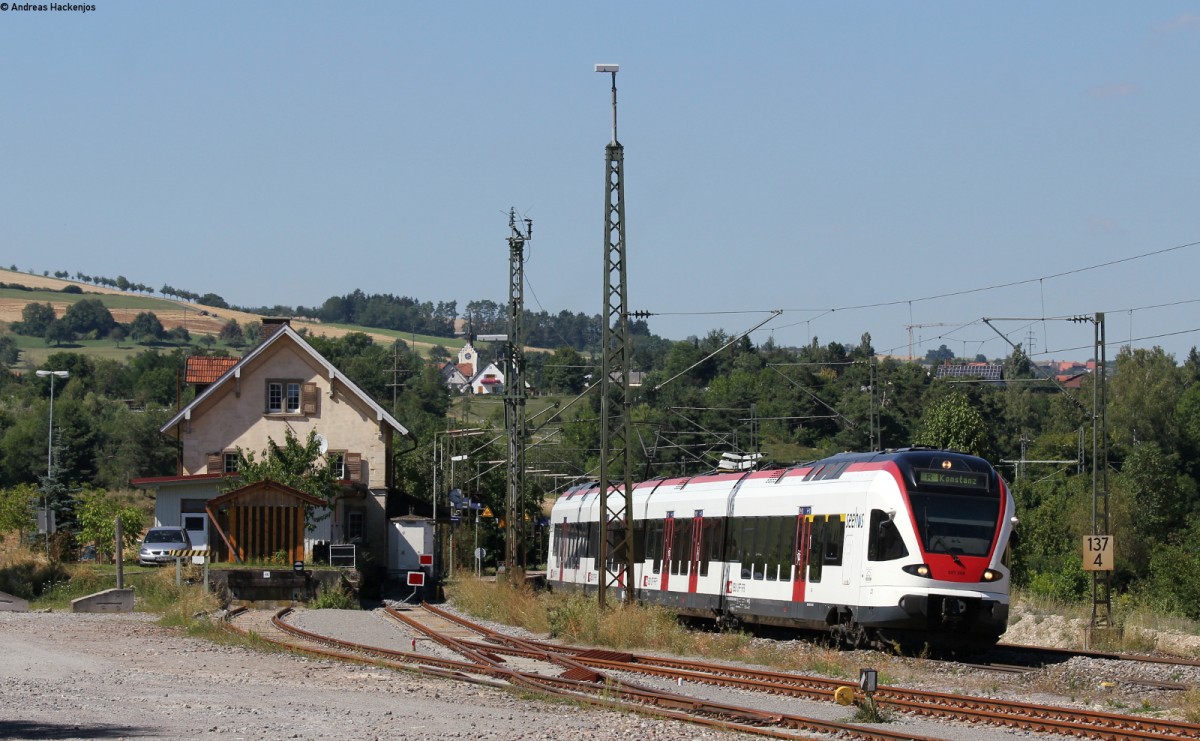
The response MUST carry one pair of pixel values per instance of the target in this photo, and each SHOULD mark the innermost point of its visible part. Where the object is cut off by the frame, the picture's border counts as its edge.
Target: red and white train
(901, 546)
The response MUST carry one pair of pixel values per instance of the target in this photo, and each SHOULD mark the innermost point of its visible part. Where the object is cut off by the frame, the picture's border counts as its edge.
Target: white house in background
(281, 385)
(458, 375)
(490, 380)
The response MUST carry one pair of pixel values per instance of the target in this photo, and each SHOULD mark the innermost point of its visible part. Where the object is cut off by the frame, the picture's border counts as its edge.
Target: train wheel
(727, 622)
(849, 635)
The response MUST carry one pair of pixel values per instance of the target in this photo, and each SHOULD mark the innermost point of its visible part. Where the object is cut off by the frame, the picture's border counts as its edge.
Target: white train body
(898, 545)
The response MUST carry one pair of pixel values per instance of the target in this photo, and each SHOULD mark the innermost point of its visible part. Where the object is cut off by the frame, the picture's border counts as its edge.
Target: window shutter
(310, 399)
(216, 463)
(354, 466)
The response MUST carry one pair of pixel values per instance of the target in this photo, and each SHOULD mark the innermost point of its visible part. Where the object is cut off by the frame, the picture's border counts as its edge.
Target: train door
(668, 546)
(695, 555)
(800, 555)
(852, 548)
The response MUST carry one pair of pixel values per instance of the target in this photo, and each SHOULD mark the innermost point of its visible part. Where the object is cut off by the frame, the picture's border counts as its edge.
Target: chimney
(272, 324)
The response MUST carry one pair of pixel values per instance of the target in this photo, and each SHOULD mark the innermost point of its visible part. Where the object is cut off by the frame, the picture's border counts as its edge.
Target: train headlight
(919, 569)
(992, 575)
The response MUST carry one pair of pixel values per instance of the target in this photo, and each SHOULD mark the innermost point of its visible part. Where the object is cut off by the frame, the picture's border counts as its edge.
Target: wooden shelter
(260, 520)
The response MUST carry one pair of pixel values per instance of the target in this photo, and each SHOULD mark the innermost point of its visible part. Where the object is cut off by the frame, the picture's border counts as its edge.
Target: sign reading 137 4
(1097, 553)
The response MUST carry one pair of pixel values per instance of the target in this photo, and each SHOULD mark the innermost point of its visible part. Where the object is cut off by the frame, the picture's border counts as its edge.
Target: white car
(158, 544)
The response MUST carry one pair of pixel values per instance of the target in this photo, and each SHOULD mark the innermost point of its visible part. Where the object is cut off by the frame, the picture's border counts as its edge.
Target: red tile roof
(203, 369)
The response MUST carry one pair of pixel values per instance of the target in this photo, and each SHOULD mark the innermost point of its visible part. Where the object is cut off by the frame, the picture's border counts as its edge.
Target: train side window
(574, 541)
(884, 542)
(762, 544)
(732, 538)
(785, 554)
(616, 546)
(593, 542)
(639, 541)
(654, 543)
(681, 546)
(749, 533)
(770, 543)
(785, 534)
(835, 533)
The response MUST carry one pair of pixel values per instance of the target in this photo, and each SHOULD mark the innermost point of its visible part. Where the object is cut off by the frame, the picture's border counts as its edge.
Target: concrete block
(110, 600)
(9, 603)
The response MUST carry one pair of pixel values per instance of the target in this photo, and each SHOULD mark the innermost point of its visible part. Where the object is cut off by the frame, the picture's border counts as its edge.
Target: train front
(953, 586)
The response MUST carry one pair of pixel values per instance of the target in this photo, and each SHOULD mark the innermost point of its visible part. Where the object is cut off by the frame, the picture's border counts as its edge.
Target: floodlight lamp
(608, 68)
(60, 374)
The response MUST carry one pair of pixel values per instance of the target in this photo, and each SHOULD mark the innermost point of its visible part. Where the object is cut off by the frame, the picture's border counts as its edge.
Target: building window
(337, 464)
(230, 462)
(354, 524)
(283, 397)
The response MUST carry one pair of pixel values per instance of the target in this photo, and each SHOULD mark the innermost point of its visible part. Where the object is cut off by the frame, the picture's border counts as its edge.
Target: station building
(281, 385)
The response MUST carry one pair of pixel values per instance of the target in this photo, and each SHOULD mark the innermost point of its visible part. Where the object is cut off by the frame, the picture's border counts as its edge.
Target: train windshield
(957, 518)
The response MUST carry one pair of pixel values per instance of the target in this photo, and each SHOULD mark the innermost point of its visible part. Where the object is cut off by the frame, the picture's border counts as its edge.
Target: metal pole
(49, 469)
(120, 555)
(49, 455)
(434, 566)
(50, 436)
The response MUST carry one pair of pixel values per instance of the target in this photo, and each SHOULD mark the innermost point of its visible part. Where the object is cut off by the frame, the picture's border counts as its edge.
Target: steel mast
(514, 398)
(615, 562)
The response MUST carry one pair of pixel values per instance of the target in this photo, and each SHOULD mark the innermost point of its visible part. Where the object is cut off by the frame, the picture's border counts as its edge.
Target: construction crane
(911, 327)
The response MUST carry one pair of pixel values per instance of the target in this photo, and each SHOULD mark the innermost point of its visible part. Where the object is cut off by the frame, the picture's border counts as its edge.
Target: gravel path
(69, 676)
(76, 676)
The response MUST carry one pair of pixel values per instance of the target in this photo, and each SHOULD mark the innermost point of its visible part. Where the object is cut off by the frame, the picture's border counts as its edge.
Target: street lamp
(49, 450)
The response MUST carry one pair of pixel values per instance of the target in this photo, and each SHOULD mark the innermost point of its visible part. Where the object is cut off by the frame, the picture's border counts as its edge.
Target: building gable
(283, 386)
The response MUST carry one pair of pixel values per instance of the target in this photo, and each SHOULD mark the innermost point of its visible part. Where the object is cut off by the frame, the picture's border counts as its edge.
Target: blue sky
(810, 157)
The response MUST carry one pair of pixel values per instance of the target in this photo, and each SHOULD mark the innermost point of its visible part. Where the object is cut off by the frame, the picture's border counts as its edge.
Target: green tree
(58, 332)
(1143, 395)
(954, 424)
(97, 513)
(89, 317)
(565, 371)
(1172, 586)
(231, 334)
(9, 352)
(17, 506)
(146, 327)
(298, 464)
(941, 355)
(35, 319)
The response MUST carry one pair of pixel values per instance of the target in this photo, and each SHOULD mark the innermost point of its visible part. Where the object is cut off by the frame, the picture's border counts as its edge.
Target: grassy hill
(198, 320)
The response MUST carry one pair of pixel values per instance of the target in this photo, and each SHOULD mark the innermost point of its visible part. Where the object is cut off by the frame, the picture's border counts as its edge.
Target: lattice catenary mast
(616, 516)
(514, 397)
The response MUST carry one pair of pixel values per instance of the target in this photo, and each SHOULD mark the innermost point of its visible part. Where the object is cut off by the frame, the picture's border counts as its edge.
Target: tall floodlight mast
(616, 516)
(514, 398)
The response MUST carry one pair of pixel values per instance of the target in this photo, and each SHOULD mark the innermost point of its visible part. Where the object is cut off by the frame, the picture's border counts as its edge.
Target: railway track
(604, 678)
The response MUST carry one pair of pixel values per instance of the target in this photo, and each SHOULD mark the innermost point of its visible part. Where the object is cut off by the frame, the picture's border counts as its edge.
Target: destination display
(961, 479)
